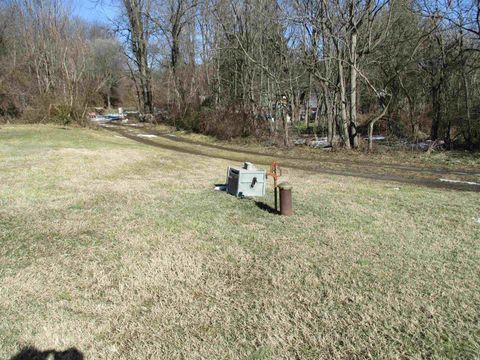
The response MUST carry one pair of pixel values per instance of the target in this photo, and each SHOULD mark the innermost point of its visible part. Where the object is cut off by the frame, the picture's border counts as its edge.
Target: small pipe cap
(285, 186)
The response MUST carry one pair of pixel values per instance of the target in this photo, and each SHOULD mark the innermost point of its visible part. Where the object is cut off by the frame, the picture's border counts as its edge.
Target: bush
(224, 124)
(229, 123)
(62, 114)
(301, 127)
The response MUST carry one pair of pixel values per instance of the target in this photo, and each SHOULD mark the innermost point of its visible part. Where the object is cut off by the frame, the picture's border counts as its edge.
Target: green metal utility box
(246, 181)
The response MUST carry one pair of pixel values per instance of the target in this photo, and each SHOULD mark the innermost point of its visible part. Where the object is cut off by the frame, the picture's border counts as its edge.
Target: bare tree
(138, 37)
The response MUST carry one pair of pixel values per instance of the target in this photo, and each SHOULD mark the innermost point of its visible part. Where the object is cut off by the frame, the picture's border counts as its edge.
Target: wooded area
(236, 68)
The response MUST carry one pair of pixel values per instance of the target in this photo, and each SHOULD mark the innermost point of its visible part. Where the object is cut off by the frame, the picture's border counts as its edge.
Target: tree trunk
(174, 56)
(353, 88)
(139, 45)
(286, 138)
(330, 118)
(437, 111)
(343, 105)
(469, 136)
(372, 123)
(307, 102)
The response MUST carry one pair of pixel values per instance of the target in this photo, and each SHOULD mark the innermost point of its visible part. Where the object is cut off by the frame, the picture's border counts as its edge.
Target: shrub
(224, 124)
(62, 114)
(229, 123)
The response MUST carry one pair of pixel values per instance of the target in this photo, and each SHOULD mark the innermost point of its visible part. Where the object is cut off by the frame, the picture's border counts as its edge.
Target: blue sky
(94, 10)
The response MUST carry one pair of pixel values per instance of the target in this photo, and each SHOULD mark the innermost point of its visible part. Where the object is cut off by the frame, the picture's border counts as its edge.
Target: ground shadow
(30, 353)
(261, 205)
(221, 187)
(266, 207)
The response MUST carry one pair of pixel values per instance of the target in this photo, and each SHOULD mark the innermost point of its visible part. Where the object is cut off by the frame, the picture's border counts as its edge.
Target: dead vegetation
(125, 251)
(222, 124)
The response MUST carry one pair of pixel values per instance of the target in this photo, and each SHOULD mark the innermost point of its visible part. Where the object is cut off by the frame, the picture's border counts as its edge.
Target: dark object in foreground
(285, 199)
(30, 353)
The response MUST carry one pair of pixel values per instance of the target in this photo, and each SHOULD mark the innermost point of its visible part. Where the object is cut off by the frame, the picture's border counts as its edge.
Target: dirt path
(418, 169)
(422, 176)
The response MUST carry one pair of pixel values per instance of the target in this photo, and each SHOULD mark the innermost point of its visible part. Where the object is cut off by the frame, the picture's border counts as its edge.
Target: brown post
(285, 199)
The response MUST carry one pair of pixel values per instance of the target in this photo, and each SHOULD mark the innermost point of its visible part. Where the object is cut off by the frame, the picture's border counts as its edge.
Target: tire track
(365, 174)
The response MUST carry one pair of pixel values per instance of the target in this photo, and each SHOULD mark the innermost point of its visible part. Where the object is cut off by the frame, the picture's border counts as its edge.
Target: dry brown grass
(382, 154)
(125, 251)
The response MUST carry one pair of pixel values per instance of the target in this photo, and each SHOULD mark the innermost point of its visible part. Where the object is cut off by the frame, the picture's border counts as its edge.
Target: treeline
(53, 66)
(232, 68)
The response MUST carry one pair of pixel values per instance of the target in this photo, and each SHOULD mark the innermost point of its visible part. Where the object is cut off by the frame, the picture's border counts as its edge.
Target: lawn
(125, 251)
(382, 154)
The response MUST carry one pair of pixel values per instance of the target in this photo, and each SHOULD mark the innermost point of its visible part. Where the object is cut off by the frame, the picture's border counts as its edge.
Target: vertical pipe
(275, 194)
(285, 199)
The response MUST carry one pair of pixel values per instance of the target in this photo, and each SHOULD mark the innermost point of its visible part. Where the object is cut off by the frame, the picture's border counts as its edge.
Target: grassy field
(125, 251)
(382, 153)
